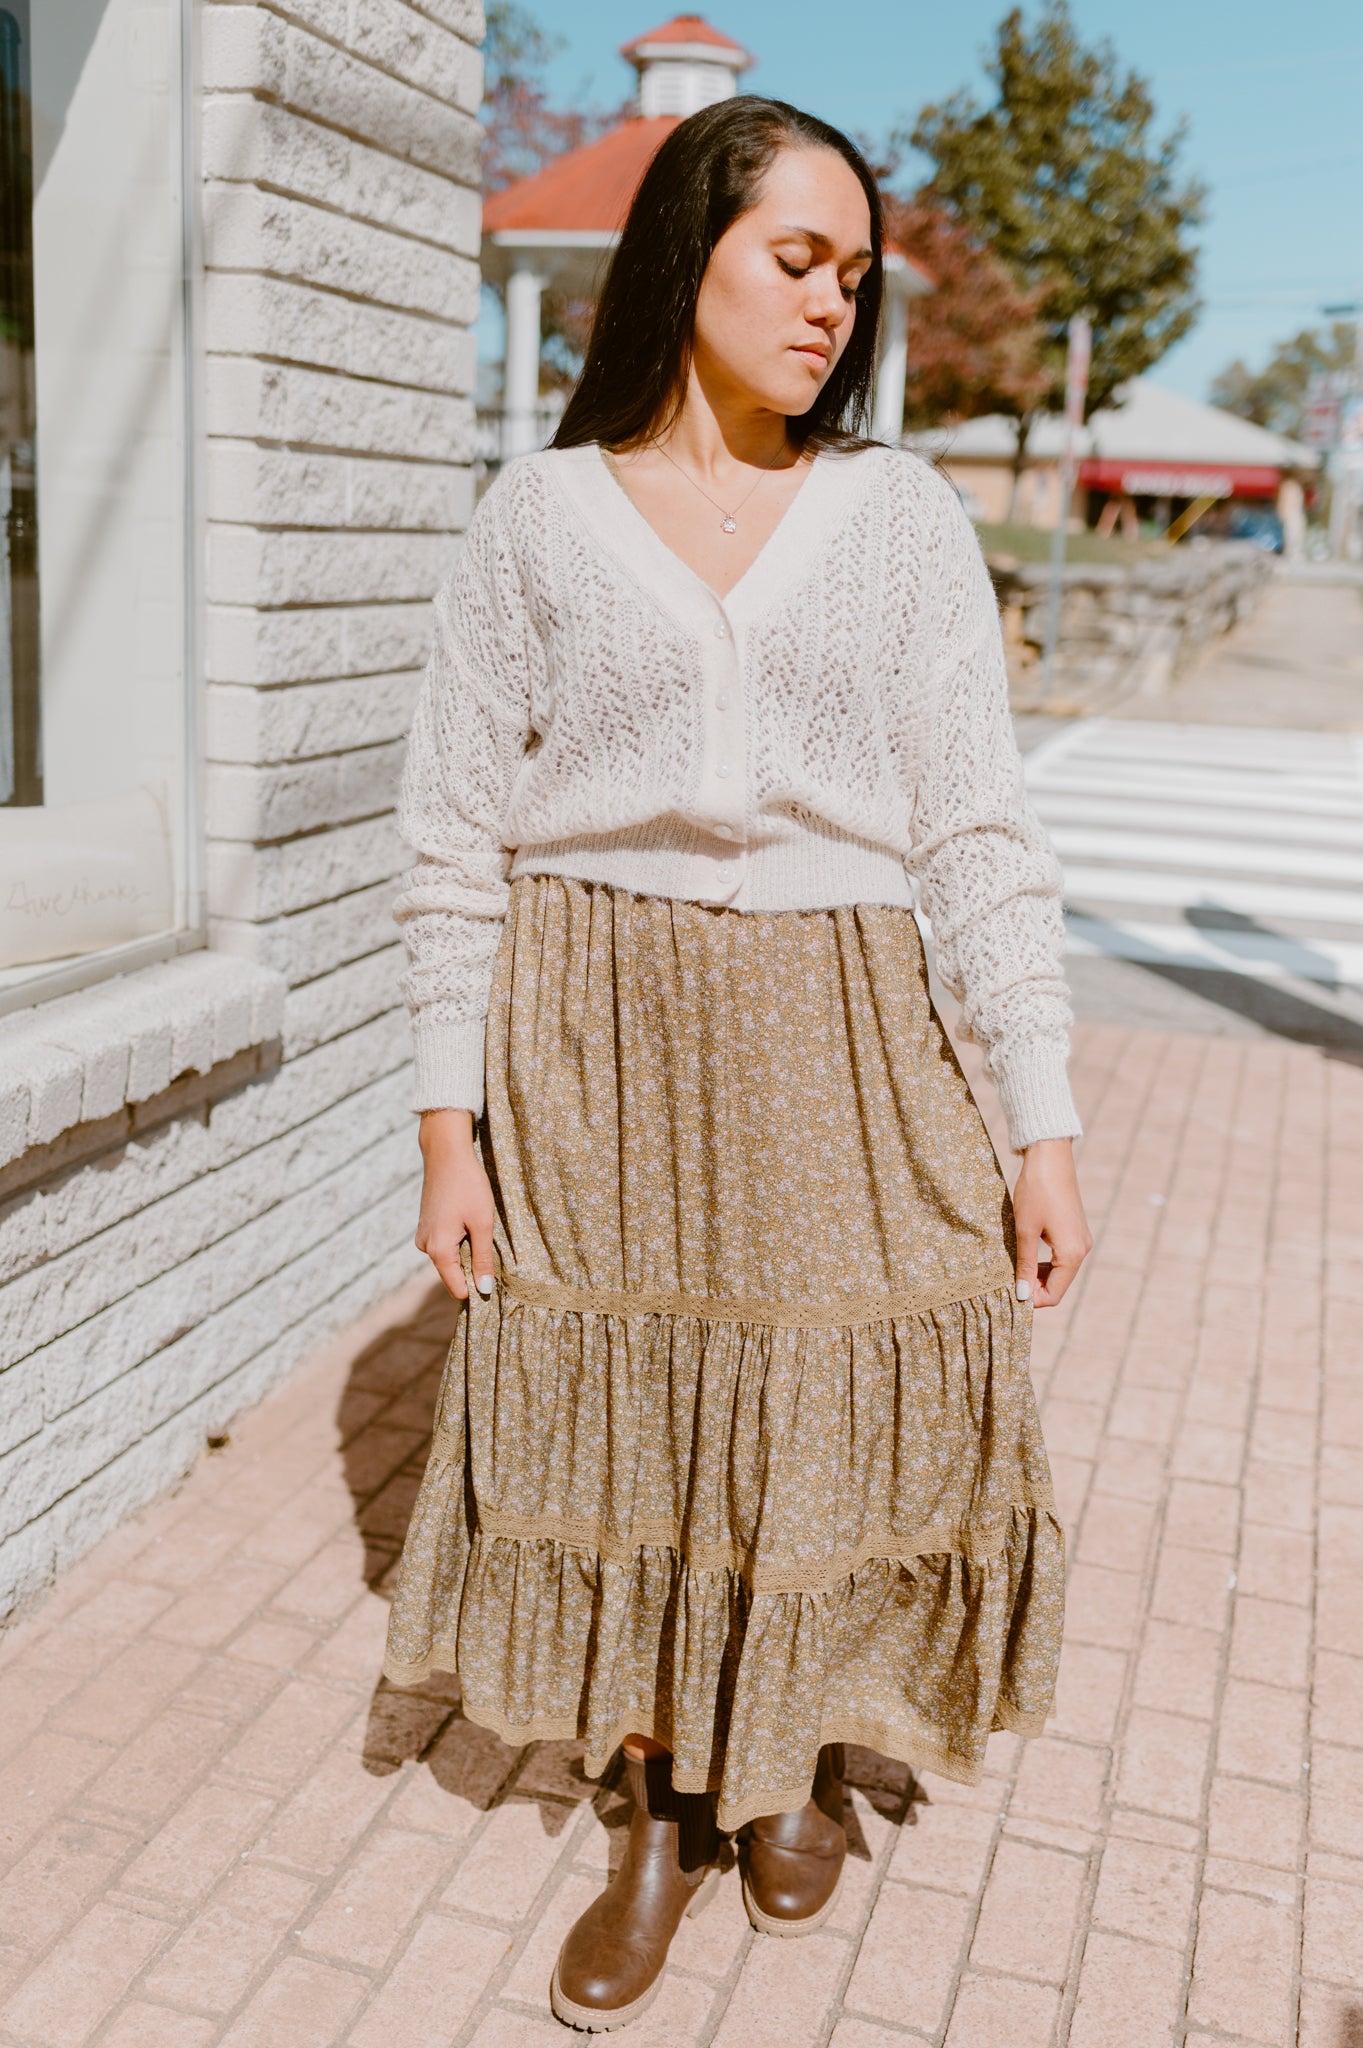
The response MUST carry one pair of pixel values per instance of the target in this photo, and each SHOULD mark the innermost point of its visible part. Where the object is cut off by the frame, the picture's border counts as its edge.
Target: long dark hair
(703, 176)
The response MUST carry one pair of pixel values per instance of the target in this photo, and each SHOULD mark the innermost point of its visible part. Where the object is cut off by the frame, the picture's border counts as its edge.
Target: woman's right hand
(456, 1201)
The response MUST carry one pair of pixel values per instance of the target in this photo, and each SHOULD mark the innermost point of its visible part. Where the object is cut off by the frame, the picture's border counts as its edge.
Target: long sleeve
(468, 737)
(989, 878)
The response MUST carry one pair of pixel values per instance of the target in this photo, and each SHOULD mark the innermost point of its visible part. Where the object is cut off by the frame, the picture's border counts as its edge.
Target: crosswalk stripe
(1217, 834)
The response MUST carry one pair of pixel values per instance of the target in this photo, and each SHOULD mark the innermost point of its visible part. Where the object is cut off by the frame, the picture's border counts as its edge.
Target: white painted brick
(14, 1115)
(337, 1002)
(249, 565)
(464, 17)
(130, 1036)
(246, 49)
(267, 881)
(272, 316)
(413, 495)
(249, 646)
(308, 719)
(151, 1292)
(62, 1535)
(28, 1561)
(255, 141)
(150, 1167)
(159, 1272)
(313, 942)
(195, 1240)
(304, 1087)
(244, 314)
(146, 1167)
(21, 1403)
(23, 1233)
(314, 1216)
(249, 485)
(270, 803)
(95, 1031)
(246, 229)
(331, 411)
(399, 40)
(274, 486)
(68, 1451)
(54, 1077)
(393, 1266)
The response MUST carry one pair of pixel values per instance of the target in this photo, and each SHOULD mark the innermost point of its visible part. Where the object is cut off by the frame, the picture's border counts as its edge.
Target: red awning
(1180, 479)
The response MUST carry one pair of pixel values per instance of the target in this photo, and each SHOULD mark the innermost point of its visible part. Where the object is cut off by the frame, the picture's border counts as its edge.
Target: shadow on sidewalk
(384, 1420)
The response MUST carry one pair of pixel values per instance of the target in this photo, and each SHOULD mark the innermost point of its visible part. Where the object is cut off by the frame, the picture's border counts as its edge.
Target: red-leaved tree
(975, 341)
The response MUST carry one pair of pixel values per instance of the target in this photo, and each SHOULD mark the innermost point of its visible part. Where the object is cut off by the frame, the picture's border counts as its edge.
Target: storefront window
(93, 496)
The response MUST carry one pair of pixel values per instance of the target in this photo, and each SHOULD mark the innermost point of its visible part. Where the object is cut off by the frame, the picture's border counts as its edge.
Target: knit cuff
(448, 1071)
(1034, 1088)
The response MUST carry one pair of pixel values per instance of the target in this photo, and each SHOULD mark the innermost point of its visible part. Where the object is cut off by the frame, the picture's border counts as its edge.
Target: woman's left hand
(1047, 1204)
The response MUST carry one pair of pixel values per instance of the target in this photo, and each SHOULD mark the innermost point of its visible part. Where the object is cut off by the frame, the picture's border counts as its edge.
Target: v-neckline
(720, 597)
(824, 501)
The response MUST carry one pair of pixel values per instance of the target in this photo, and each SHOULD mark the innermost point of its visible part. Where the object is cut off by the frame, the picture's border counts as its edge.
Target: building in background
(239, 274)
(1144, 462)
(558, 227)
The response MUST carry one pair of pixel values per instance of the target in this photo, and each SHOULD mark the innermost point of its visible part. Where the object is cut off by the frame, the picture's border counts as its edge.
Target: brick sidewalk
(216, 1828)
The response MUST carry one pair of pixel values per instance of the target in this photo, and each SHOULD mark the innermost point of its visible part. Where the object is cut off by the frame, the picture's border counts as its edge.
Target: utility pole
(1346, 466)
(1078, 355)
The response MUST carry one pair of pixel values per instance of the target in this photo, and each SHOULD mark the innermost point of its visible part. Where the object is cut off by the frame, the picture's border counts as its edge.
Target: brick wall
(181, 1224)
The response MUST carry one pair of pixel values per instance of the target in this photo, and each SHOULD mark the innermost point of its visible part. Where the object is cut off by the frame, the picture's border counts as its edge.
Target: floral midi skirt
(742, 1452)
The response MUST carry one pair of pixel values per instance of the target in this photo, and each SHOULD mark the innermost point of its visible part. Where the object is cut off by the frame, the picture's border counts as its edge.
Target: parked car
(1259, 524)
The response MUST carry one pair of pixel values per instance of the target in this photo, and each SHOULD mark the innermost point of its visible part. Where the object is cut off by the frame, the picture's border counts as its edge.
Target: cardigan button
(720, 629)
(724, 769)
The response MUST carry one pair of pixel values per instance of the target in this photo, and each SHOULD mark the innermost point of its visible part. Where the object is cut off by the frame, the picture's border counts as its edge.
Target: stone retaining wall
(1126, 630)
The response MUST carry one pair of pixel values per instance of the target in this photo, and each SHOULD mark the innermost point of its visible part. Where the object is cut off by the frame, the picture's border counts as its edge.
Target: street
(1212, 838)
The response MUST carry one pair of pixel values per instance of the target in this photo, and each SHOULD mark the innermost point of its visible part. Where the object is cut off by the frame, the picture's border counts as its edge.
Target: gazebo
(556, 227)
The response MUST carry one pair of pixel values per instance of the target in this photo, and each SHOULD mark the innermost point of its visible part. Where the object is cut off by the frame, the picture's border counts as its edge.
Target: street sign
(1320, 416)
(1078, 357)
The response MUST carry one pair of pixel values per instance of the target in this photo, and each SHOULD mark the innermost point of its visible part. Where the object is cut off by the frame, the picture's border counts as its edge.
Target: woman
(736, 1457)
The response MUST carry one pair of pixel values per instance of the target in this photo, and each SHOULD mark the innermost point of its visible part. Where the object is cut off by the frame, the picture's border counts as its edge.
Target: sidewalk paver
(217, 1826)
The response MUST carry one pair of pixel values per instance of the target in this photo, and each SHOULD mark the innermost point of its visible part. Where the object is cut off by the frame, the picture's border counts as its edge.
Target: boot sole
(595, 2019)
(767, 1923)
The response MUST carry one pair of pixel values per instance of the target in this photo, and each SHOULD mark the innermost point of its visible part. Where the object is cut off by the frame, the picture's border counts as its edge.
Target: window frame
(44, 981)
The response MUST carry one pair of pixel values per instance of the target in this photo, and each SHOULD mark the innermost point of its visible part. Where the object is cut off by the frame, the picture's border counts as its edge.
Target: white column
(887, 411)
(524, 289)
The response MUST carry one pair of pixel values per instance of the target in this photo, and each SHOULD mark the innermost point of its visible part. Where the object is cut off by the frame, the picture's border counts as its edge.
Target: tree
(978, 345)
(1276, 395)
(1063, 179)
(522, 132)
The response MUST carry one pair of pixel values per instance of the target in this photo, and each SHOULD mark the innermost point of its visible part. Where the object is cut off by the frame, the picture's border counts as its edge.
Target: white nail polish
(1024, 1290)
(485, 1284)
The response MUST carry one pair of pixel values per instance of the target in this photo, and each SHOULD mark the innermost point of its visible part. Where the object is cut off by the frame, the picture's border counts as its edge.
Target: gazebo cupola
(685, 65)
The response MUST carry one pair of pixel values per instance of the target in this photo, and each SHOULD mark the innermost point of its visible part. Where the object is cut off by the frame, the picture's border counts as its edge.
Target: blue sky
(1273, 92)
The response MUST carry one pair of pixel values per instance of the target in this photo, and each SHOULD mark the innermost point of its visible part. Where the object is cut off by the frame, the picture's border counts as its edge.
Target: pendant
(728, 524)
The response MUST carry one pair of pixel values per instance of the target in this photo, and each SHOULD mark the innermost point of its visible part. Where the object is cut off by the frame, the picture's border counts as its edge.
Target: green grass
(1033, 544)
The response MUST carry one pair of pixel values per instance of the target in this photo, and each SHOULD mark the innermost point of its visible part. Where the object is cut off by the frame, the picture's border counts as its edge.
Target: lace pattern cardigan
(834, 730)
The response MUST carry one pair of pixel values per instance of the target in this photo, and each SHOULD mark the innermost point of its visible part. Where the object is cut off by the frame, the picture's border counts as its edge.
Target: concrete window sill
(84, 1057)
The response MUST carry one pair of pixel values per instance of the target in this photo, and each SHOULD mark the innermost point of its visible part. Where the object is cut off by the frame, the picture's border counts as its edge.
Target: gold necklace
(729, 523)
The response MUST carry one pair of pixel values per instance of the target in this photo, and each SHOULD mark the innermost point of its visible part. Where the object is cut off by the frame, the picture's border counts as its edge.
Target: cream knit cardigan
(833, 730)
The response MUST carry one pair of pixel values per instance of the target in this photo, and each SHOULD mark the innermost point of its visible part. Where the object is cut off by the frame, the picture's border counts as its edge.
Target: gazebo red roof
(589, 189)
(687, 28)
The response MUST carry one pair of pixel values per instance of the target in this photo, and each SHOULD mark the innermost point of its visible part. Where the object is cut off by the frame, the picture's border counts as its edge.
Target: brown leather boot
(792, 1862)
(610, 1966)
